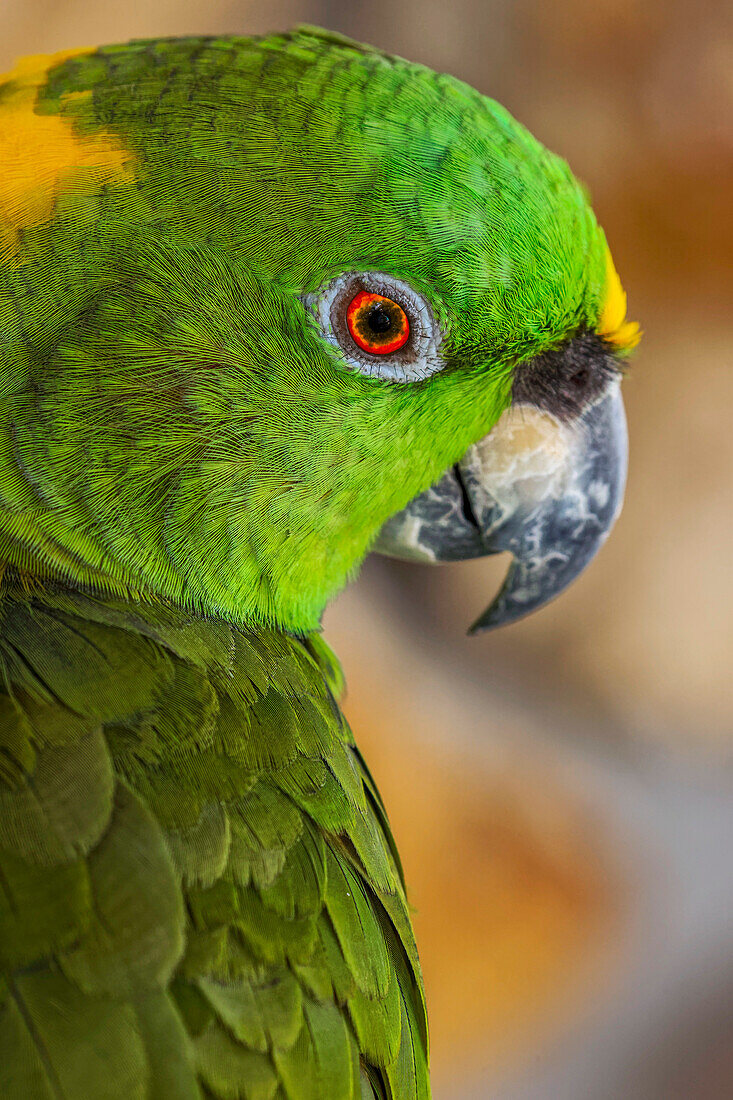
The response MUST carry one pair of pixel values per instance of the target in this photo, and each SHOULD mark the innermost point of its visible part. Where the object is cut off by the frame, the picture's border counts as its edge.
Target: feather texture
(198, 895)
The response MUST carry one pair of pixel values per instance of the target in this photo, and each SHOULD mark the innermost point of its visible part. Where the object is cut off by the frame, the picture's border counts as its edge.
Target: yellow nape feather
(612, 324)
(43, 156)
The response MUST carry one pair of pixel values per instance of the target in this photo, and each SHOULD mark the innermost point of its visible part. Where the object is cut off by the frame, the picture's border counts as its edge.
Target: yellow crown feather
(612, 324)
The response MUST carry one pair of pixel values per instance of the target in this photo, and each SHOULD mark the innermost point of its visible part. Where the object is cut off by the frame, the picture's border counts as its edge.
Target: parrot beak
(545, 485)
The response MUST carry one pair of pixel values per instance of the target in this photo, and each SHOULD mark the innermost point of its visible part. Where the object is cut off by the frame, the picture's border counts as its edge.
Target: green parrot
(266, 304)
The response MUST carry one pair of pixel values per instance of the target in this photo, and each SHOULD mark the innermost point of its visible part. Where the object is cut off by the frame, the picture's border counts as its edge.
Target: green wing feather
(199, 895)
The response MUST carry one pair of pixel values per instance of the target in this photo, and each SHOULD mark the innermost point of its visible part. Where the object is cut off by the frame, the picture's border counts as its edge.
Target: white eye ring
(418, 359)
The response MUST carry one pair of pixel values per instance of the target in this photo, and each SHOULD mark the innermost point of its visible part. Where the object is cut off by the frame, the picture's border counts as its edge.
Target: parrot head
(333, 302)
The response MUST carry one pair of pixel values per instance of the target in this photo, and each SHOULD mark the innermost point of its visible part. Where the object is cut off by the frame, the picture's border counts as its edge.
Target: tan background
(562, 790)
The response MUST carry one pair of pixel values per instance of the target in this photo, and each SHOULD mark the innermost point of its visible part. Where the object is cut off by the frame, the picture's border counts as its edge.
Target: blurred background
(561, 791)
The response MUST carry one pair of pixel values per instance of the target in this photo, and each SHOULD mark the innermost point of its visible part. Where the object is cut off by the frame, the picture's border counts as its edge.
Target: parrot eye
(377, 324)
(380, 325)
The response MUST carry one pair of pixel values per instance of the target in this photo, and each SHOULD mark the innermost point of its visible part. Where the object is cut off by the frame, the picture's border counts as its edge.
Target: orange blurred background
(561, 791)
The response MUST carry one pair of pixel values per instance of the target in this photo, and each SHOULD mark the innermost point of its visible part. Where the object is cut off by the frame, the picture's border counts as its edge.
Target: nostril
(565, 379)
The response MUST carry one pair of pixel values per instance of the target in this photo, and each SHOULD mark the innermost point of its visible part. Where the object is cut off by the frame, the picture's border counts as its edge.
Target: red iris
(377, 324)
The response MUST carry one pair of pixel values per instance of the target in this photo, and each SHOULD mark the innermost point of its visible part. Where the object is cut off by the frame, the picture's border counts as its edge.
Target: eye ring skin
(415, 361)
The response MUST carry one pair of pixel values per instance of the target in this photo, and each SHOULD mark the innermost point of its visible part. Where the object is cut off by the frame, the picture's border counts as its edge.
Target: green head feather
(173, 423)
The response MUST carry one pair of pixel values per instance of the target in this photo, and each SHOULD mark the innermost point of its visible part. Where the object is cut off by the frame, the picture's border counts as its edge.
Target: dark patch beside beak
(546, 484)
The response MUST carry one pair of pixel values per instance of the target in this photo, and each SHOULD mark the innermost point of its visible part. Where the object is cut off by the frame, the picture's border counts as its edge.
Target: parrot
(267, 304)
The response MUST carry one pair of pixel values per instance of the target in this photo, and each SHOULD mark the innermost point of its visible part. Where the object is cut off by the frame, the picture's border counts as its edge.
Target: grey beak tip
(494, 616)
(499, 613)
(479, 627)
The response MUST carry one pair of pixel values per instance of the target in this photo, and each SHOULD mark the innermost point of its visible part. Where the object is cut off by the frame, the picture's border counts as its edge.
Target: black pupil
(379, 320)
